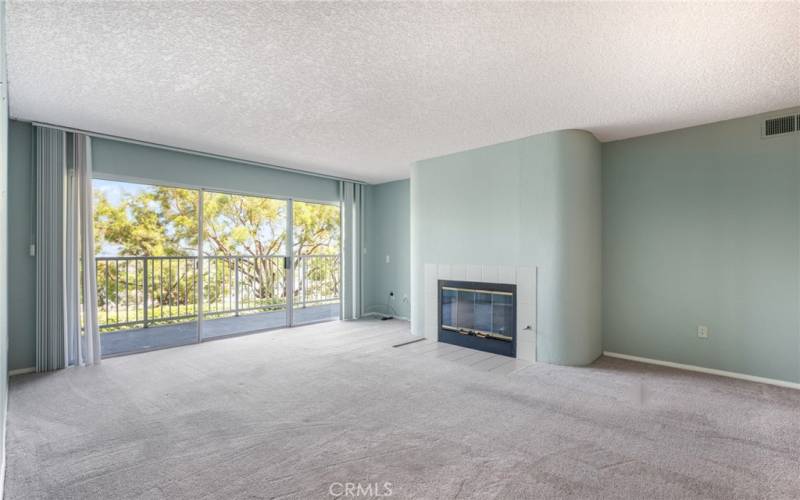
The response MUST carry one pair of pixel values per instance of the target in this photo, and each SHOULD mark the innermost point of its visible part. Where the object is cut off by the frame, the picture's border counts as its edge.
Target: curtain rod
(192, 152)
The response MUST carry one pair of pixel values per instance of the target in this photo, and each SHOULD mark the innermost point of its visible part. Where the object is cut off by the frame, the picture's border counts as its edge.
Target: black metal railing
(143, 291)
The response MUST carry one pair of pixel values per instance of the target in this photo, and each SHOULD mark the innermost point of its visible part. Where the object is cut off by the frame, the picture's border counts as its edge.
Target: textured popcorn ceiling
(361, 90)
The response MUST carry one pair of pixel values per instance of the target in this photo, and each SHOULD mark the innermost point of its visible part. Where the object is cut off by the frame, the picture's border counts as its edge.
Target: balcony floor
(157, 337)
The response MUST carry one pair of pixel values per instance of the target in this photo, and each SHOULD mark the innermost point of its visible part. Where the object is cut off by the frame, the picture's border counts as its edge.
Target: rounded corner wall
(533, 202)
(570, 299)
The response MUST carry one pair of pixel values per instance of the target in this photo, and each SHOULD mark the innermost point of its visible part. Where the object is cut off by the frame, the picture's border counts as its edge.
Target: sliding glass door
(317, 261)
(146, 246)
(245, 278)
(177, 266)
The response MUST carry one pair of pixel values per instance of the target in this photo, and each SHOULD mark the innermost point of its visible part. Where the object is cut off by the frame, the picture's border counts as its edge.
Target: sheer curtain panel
(83, 338)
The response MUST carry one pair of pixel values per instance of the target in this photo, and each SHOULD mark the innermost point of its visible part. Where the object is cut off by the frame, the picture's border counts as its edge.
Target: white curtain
(351, 196)
(66, 299)
(82, 334)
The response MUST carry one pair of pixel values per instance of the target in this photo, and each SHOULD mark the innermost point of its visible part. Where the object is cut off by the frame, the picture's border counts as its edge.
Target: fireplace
(480, 316)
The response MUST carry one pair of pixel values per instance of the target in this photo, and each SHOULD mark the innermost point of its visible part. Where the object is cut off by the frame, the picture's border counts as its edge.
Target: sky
(114, 190)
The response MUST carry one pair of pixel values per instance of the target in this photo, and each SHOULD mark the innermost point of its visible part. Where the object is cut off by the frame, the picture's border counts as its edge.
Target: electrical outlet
(702, 332)
(388, 258)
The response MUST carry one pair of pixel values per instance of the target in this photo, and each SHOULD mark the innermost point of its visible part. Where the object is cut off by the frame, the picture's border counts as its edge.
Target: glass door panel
(317, 262)
(155, 290)
(146, 265)
(244, 264)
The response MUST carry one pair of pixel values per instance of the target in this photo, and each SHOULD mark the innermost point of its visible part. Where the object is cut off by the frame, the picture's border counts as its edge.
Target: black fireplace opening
(480, 316)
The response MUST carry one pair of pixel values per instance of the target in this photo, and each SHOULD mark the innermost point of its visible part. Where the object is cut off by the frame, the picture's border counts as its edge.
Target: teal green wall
(701, 228)
(116, 159)
(530, 202)
(5, 218)
(22, 267)
(387, 214)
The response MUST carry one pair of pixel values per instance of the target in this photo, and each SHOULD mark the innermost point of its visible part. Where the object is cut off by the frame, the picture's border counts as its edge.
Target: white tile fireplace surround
(523, 277)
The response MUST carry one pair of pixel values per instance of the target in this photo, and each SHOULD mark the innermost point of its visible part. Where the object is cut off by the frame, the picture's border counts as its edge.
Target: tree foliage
(159, 221)
(162, 221)
(156, 222)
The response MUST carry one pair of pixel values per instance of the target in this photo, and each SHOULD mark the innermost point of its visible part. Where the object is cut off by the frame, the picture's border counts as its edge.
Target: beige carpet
(300, 413)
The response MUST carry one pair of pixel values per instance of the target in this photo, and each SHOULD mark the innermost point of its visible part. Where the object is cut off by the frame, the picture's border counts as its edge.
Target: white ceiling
(361, 90)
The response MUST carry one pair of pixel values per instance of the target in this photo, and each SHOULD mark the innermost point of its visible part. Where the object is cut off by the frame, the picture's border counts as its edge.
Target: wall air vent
(780, 125)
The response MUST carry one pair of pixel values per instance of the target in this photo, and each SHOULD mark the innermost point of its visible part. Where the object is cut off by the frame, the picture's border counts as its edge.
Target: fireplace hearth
(478, 315)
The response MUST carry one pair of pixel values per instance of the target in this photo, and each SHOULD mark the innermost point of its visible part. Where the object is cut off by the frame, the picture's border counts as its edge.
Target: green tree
(317, 229)
(158, 221)
(155, 222)
(162, 221)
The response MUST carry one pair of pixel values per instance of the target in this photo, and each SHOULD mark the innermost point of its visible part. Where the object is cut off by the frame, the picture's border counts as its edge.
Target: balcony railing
(137, 292)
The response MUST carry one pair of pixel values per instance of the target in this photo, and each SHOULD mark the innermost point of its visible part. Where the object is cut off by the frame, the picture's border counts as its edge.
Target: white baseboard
(4, 450)
(3, 464)
(3, 457)
(22, 371)
(710, 371)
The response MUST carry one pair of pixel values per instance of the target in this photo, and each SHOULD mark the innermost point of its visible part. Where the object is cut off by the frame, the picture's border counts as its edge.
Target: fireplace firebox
(480, 316)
